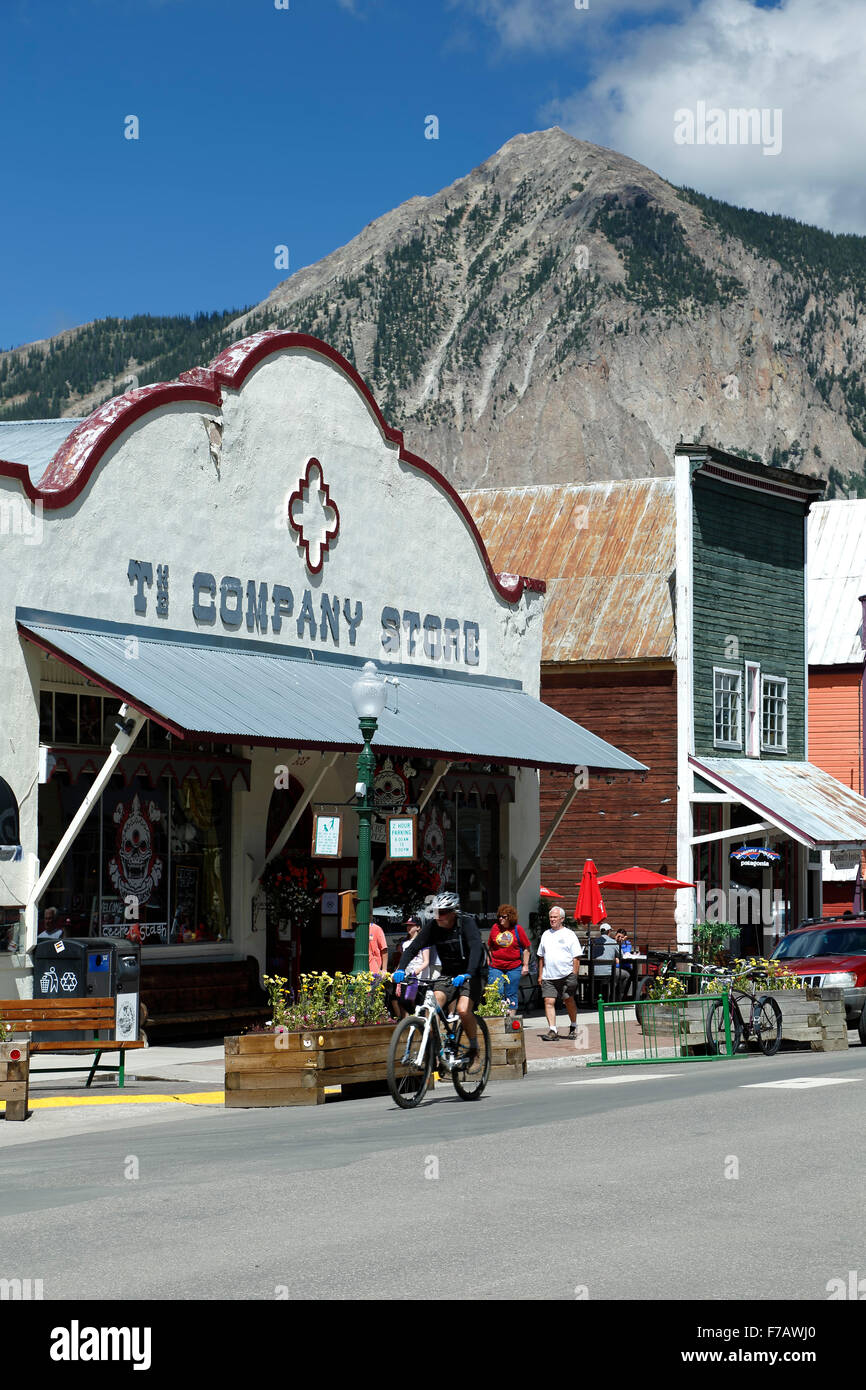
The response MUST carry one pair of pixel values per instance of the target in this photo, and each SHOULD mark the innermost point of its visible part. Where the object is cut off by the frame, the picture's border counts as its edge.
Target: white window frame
(783, 746)
(754, 710)
(729, 671)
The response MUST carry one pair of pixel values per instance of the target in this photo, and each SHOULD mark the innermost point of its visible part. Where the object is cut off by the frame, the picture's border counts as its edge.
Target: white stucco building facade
(213, 560)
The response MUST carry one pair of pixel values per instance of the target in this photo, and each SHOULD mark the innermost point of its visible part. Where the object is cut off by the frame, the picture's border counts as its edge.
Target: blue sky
(261, 126)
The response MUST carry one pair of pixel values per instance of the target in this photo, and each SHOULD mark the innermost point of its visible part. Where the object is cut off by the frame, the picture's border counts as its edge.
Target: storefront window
(134, 861)
(74, 890)
(459, 838)
(200, 860)
(151, 861)
(65, 717)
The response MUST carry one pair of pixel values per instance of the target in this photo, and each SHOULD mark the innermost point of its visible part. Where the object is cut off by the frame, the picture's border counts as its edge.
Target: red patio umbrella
(590, 904)
(638, 880)
(548, 893)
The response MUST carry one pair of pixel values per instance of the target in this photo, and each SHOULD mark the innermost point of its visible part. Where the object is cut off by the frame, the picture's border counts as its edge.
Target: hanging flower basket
(293, 888)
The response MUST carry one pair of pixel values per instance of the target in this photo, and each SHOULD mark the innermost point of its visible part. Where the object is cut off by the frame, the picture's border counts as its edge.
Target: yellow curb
(192, 1098)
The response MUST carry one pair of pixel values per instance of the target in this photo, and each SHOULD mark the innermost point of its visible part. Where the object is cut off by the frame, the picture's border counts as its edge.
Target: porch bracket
(739, 833)
(439, 770)
(546, 838)
(119, 748)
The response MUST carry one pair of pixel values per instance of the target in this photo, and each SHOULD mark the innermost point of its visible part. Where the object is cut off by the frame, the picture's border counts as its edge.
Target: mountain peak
(564, 314)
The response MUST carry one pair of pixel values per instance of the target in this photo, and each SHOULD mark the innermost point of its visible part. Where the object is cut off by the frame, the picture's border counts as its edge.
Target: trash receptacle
(128, 989)
(88, 967)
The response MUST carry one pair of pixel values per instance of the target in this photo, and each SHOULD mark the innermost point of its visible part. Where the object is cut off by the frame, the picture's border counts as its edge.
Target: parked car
(831, 951)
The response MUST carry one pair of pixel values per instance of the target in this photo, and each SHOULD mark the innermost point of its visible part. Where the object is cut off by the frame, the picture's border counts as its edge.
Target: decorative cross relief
(314, 516)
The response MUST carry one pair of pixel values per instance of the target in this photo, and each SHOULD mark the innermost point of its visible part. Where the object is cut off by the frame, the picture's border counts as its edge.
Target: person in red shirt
(378, 950)
(508, 946)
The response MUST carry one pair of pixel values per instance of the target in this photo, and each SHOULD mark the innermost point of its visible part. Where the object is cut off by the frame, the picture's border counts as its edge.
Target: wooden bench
(90, 1017)
(183, 999)
(15, 1078)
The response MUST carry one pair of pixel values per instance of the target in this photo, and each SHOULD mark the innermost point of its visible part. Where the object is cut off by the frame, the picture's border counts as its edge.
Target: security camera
(361, 789)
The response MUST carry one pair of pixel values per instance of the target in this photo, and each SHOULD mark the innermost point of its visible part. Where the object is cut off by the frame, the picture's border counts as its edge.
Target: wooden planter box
(815, 1016)
(264, 1069)
(507, 1051)
(15, 1079)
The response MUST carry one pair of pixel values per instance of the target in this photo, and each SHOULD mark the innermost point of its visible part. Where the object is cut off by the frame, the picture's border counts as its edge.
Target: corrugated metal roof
(837, 578)
(607, 551)
(799, 798)
(33, 442)
(255, 691)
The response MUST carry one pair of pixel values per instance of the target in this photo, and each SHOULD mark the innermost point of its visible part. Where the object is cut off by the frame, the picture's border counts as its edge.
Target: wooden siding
(835, 742)
(636, 711)
(748, 601)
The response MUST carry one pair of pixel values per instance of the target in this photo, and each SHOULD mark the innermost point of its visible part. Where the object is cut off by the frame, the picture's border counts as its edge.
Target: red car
(831, 952)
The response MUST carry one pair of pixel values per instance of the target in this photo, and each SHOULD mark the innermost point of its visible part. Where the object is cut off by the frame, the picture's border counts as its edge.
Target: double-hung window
(727, 708)
(774, 714)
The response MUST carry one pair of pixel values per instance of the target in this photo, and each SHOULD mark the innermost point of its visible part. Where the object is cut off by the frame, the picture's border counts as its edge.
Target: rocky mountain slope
(560, 314)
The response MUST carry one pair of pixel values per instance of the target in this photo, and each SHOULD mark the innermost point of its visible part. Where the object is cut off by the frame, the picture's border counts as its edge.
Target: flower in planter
(493, 1003)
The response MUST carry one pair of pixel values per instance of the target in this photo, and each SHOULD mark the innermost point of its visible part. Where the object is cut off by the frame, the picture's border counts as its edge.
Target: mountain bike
(763, 1021)
(417, 1042)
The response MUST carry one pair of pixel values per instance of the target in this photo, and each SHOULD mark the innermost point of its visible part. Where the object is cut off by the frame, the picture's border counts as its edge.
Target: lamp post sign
(402, 838)
(328, 837)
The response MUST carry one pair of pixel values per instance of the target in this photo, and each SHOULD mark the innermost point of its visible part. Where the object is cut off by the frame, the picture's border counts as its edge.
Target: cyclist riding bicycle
(457, 941)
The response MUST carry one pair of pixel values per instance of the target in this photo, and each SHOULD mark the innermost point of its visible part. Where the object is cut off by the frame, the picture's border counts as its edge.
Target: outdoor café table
(633, 975)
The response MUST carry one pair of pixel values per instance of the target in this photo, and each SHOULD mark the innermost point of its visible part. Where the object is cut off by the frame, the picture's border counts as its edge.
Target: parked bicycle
(763, 1021)
(417, 1042)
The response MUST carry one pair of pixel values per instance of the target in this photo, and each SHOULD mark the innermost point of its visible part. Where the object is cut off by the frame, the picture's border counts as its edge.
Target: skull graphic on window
(135, 868)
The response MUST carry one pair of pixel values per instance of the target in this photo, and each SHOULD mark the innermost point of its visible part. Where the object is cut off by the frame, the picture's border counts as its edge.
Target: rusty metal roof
(607, 553)
(837, 578)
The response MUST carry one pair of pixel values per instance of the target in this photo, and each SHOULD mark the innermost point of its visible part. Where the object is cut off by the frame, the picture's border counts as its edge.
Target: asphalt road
(674, 1181)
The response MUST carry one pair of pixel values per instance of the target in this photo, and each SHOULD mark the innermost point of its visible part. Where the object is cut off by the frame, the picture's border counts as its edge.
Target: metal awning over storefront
(258, 692)
(799, 799)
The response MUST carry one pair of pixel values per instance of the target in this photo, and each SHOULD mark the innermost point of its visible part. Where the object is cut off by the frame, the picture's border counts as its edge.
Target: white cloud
(802, 57)
(540, 25)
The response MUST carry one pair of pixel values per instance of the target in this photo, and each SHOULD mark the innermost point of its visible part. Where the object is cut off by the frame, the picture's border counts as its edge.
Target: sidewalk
(586, 1047)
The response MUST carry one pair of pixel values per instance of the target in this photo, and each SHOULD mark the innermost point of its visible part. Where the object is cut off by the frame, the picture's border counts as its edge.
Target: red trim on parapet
(75, 461)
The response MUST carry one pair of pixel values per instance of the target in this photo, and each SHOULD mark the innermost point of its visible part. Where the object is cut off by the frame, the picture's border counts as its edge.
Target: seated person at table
(625, 969)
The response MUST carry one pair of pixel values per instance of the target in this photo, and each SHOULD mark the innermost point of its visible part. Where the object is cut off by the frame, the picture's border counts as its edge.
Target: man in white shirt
(559, 953)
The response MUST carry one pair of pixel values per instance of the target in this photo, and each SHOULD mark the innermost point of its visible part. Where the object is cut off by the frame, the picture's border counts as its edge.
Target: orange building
(837, 579)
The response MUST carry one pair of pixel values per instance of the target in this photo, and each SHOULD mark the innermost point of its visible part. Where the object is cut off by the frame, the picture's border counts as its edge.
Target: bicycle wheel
(768, 1025)
(716, 1028)
(408, 1067)
(470, 1082)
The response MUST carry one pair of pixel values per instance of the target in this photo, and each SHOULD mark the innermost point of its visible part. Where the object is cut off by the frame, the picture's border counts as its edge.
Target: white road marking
(617, 1080)
(800, 1083)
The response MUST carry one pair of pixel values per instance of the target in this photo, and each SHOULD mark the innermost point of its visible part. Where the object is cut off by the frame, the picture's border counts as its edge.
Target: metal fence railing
(662, 1030)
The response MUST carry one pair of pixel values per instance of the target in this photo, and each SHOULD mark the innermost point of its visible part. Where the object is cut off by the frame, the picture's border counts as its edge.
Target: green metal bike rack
(672, 1030)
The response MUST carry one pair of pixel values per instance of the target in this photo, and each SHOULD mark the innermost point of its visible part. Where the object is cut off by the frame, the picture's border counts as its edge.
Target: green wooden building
(745, 782)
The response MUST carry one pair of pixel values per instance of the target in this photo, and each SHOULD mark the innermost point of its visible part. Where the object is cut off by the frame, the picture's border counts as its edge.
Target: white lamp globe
(369, 693)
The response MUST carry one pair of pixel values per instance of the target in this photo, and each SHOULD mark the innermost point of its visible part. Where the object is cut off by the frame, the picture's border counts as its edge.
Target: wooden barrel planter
(507, 1050)
(15, 1078)
(266, 1069)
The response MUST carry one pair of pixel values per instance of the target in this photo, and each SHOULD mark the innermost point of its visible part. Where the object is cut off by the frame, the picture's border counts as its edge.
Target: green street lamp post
(368, 698)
